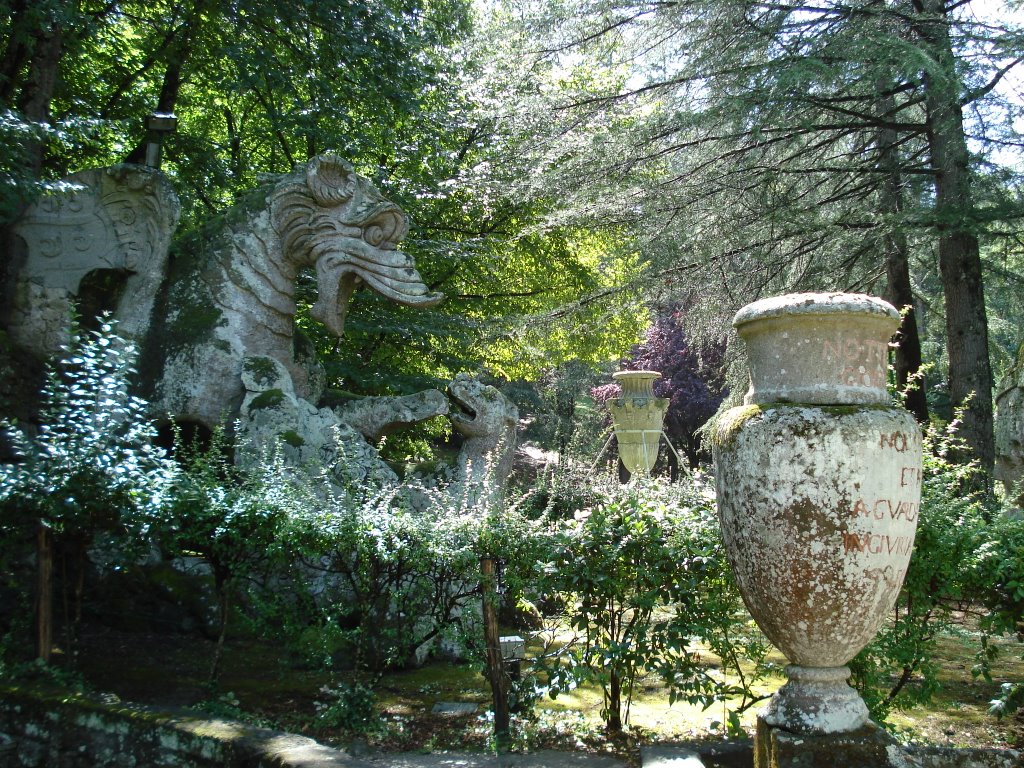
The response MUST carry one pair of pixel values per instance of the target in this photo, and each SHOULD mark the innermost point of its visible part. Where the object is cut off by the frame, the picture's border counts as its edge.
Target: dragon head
(480, 410)
(336, 220)
(487, 421)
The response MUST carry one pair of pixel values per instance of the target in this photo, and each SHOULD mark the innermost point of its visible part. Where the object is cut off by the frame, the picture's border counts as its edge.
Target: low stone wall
(867, 747)
(54, 728)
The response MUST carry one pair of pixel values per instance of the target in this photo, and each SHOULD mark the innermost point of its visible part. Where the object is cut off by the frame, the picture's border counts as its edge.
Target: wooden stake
(44, 592)
(492, 643)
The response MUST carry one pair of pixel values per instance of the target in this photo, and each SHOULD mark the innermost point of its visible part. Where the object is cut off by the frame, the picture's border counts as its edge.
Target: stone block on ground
(513, 648)
(544, 759)
(948, 757)
(866, 747)
(726, 754)
(669, 757)
(455, 708)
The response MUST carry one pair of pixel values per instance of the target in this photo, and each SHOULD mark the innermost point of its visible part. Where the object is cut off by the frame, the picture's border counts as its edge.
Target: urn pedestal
(638, 417)
(818, 482)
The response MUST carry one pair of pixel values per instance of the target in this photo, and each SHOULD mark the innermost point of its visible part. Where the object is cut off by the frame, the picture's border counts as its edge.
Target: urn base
(867, 747)
(816, 701)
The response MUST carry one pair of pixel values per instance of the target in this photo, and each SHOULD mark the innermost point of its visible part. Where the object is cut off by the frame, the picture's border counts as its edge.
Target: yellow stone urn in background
(818, 481)
(638, 417)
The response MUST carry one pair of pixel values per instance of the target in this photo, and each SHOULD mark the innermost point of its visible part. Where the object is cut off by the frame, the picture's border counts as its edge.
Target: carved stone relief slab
(119, 219)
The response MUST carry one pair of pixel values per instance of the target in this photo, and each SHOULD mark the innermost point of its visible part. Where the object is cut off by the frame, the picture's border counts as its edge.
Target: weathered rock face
(1009, 431)
(273, 418)
(102, 239)
(232, 296)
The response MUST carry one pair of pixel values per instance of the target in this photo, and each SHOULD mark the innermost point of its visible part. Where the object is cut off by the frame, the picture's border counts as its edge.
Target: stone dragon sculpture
(487, 422)
(235, 298)
(215, 320)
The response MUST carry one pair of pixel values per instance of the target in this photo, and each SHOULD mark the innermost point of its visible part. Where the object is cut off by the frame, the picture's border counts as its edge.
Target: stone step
(543, 759)
(723, 755)
(716, 755)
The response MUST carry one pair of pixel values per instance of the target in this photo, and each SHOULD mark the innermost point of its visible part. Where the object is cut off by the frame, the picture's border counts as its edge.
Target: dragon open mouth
(463, 413)
(370, 257)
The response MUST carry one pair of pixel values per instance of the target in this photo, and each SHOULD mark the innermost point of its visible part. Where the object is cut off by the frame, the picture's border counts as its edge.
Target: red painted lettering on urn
(895, 440)
(877, 543)
(910, 476)
(887, 508)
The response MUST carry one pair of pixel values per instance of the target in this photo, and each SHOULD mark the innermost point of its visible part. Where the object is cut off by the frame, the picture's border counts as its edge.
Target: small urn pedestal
(818, 482)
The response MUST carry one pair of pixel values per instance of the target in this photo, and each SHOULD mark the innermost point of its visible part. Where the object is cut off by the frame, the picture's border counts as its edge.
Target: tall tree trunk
(15, 52)
(907, 358)
(613, 717)
(178, 55)
(37, 94)
(34, 99)
(221, 580)
(168, 99)
(970, 374)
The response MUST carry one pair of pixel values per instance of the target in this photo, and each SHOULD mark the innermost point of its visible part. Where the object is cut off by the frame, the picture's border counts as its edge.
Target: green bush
(616, 567)
(92, 465)
(713, 616)
(1001, 589)
(231, 518)
(375, 576)
(351, 707)
(90, 470)
(642, 575)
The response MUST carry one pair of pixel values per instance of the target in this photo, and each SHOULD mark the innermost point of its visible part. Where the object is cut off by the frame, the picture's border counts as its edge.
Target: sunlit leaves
(92, 465)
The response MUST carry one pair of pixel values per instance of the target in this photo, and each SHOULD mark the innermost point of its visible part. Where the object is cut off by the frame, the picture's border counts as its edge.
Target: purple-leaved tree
(691, 377)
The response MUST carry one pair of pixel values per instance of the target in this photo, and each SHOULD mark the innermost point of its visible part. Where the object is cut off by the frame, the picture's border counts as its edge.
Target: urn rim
(634, 375)
(815, 304)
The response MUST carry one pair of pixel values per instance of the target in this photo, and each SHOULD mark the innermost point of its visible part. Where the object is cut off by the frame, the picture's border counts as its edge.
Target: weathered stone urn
(638, 417)
(819, 483)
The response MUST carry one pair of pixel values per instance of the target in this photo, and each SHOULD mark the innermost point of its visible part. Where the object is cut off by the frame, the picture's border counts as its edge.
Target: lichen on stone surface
(798, 489)
(215, 233)
(269, 399)
(261, 368)
(728, 425)
(194, 321)
(293, 438)
(838, 410)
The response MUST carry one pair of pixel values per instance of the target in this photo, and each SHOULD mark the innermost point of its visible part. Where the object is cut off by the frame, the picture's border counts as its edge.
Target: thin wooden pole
(44, 592)
(492, 643)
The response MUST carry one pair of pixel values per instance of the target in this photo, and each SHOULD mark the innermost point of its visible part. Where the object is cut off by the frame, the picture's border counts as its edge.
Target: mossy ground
(271, 687)
(959, 714)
